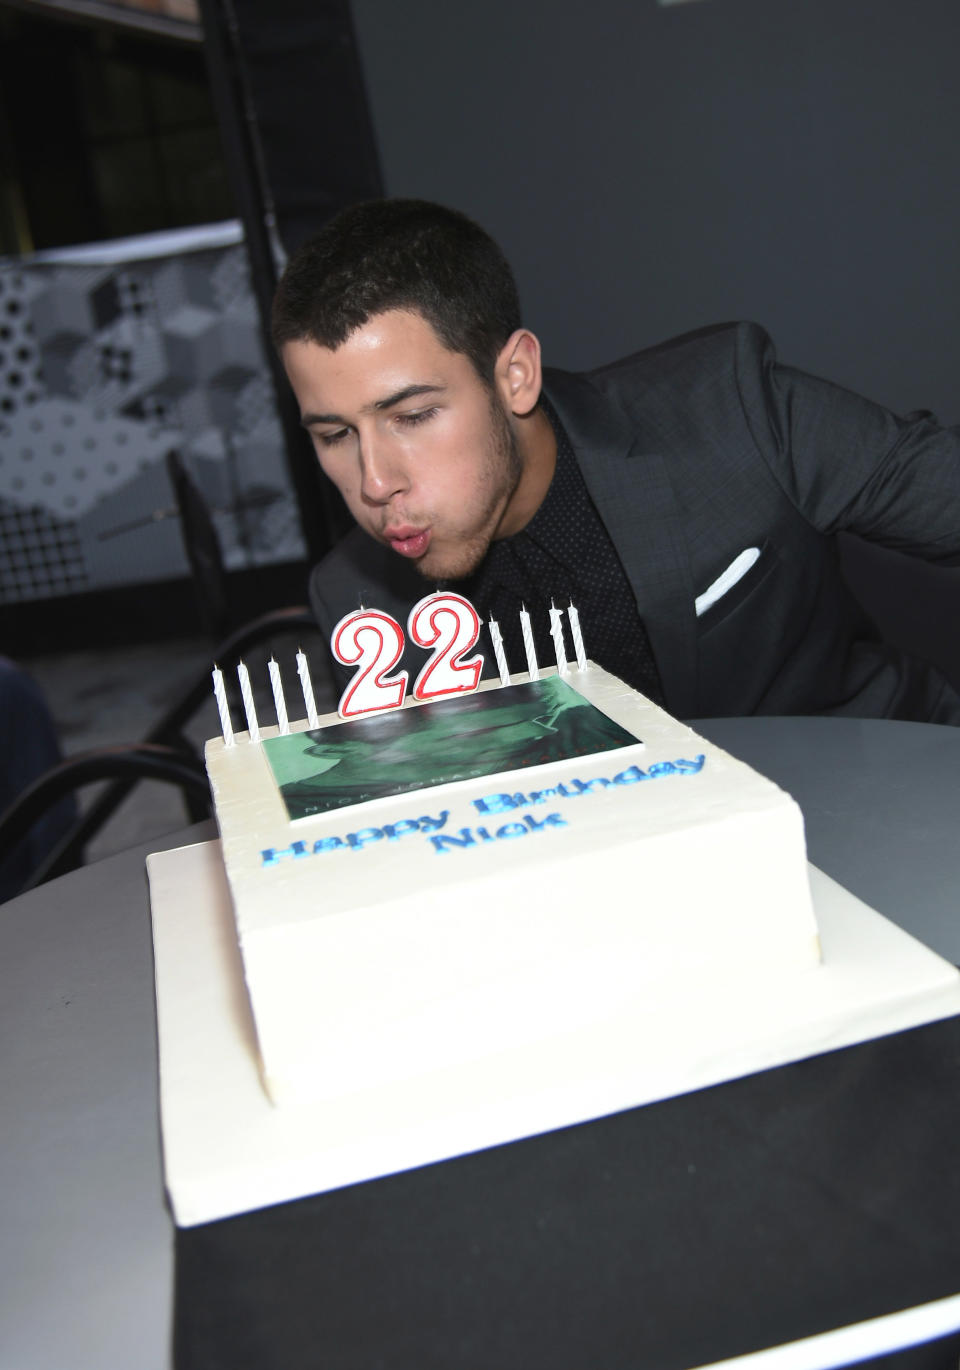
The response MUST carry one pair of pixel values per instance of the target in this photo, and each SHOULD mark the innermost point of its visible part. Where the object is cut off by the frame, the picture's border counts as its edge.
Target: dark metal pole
(320, 519)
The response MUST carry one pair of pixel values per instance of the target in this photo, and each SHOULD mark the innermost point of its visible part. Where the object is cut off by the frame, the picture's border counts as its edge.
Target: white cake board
(228, 1150)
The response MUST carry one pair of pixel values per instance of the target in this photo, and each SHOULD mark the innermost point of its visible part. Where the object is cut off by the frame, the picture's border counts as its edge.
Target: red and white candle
(373, 642)
(450, 625)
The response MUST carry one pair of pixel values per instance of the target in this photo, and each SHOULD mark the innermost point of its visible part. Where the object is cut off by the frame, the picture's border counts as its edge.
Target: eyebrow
(408, 392)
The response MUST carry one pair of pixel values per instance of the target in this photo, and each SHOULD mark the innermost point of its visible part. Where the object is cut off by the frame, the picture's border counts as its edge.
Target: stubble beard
(504, 468)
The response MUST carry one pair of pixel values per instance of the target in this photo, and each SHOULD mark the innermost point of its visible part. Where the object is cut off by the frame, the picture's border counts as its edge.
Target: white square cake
(452, 880)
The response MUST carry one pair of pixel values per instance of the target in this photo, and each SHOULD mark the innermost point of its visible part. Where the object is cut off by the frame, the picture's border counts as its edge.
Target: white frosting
(376, 960)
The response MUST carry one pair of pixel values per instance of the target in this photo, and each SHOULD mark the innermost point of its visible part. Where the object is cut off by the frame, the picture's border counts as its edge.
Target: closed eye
(416, 416)
(406, 420)
(331, 439)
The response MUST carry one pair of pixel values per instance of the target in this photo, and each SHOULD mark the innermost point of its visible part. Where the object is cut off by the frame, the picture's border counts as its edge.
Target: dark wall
(652, 168)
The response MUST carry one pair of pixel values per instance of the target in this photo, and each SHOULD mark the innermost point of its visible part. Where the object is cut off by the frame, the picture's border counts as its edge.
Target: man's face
(420, 448)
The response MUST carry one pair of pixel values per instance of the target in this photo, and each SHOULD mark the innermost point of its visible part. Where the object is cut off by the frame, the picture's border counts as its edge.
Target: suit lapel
(631, 488)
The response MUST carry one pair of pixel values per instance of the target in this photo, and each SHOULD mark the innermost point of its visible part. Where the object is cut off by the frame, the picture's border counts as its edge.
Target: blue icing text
(520, 826)
(573, 789)
(355, 841)
(471, 837)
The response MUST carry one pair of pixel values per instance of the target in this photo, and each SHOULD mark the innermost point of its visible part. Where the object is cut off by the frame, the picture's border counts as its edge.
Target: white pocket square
(737, 569)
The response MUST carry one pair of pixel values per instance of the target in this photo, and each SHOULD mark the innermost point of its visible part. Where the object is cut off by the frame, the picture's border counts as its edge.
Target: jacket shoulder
(701, 352)
(659, 392)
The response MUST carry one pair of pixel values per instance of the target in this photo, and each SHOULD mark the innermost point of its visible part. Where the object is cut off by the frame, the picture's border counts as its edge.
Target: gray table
(85, 1238)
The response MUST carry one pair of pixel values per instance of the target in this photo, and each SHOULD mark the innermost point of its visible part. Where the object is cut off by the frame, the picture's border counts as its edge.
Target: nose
(382, 472)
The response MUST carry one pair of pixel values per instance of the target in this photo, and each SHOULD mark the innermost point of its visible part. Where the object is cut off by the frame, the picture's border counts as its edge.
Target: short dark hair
(400, 254)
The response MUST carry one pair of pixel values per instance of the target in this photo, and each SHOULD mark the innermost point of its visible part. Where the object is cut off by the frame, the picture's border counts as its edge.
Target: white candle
(578, 646)
(220, 694)
(556, 632)
(306, 684)
(249, 708)
(276, 684)
(498, 652)
(528, 646)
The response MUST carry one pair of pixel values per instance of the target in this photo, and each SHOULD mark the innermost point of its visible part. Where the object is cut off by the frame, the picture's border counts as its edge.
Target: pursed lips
(407, 540)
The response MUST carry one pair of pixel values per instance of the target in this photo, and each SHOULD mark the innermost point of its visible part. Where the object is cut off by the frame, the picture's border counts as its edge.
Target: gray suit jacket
(698, 450)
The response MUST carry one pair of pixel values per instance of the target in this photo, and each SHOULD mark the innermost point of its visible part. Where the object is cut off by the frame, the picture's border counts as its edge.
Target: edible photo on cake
(459, 738)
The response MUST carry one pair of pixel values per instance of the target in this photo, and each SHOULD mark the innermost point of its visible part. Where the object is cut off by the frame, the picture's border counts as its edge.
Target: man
(685, 499)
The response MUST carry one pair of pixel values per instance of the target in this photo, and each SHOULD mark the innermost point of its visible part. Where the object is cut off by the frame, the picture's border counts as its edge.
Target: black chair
(166, 753)
(202, 546)
(141, 761)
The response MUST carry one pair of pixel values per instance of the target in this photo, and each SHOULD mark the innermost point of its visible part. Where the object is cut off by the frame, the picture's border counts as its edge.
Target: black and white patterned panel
(40, 551)
(104, 369)
(19, 360)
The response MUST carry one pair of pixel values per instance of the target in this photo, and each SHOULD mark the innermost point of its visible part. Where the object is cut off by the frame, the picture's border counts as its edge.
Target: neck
(537, 445)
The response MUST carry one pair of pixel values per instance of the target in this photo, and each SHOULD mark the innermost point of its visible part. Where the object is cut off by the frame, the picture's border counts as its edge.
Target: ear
(518, 375)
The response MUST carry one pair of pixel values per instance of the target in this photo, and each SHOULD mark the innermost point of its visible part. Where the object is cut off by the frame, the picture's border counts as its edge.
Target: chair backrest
(202, 546)
(165, 753)
(139, 761)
